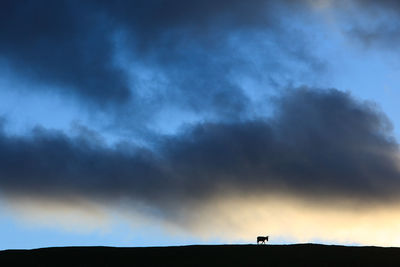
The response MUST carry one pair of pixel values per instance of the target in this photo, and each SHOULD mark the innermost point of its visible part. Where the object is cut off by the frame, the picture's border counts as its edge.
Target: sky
(157, 123)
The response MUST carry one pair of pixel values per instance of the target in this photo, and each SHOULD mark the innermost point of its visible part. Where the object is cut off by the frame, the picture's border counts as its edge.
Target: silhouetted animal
(262, 239)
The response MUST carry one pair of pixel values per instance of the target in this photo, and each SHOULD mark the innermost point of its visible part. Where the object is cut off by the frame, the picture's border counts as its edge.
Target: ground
(205, 255)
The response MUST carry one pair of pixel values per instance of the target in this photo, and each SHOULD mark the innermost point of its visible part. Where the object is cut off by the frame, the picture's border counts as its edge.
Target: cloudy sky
(139, 123)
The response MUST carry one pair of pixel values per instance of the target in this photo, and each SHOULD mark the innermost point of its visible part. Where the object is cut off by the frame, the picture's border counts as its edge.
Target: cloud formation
(318, 143)
(213, 65)
(143, 56)
(147, 53)
(63, 44)
(373, 24)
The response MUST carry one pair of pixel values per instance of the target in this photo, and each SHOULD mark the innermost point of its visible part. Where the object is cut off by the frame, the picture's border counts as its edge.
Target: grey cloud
(320, 143)
(63, 43)
(73, 46)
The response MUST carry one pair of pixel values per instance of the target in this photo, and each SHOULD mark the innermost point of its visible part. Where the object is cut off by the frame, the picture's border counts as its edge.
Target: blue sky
(142, 124)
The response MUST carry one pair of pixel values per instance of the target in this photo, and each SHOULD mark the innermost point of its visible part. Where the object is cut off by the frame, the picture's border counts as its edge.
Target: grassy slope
(224, 255)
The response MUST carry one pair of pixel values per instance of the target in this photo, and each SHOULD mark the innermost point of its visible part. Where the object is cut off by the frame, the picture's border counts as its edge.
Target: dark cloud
(318, 143)
(200, 49)
(63, 43)
(193, 54)
(88, 49)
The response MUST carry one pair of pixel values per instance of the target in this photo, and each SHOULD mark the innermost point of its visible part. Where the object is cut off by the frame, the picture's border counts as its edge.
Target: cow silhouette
(262, 239)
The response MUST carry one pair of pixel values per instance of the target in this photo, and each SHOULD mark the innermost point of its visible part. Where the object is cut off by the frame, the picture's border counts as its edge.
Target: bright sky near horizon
(145, 123)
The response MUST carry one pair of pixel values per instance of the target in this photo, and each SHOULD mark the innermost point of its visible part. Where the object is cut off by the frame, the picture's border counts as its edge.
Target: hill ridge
(302, 254)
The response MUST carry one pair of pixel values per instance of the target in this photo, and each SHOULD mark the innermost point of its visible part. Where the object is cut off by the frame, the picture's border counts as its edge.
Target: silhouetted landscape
(155, 122)
(205, 255)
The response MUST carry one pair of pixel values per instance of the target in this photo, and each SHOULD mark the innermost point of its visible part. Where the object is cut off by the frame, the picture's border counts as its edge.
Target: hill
(205, 255)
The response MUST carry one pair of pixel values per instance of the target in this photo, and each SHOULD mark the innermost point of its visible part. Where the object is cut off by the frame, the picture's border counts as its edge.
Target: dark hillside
(221, 255)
